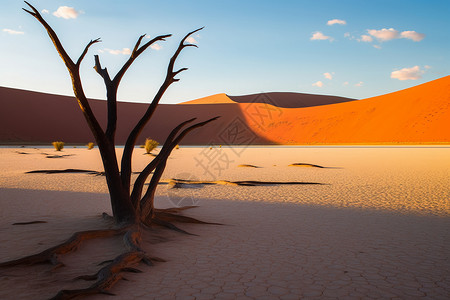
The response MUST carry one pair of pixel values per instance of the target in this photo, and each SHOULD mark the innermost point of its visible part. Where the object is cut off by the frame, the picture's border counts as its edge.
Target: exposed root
(175, 209)
(58, 156)
(67, 171)
(164, 223)
(20, 152)
(90, 172)
(111, 271)
(178, 183)
(51, 255)
(248, 166)
(87, 277)
(107, 217)
(170, 217)
(306, 165)
(108, 275)
(131, 270)
(28, 223)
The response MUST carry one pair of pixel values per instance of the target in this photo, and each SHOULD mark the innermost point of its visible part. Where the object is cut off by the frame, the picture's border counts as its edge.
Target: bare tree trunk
(122, 208)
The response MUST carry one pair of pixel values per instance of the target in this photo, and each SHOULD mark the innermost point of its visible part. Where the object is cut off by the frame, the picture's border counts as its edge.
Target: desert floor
(377, 227)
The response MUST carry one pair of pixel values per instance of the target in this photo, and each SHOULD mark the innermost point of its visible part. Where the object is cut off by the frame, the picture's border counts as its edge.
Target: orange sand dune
(214, 99)
(420, 114)
(279, 99)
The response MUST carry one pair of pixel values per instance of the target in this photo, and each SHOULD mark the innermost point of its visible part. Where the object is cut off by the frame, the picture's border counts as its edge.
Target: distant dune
(289, 100)
(279, 99)
(416, 115)
(214, 99)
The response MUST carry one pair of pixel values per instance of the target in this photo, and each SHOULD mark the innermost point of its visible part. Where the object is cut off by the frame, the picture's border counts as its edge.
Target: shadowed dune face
(290, 100)
(279, 99)
(229, 129)
(415, 115)
(30, 117)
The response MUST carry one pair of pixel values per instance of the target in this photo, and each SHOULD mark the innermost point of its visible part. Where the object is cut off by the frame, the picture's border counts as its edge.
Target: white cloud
(413, 73)
(427, 67)
(320, 36)
(347, 34)
(155, 46)
(359, 83)
(318, 84)
(11, 31)
(384, 34)
(124, 51)
(328, 75)
(191, 40)
(345, 83)
(412, 35)
(336, 21)
(66, 12)
(377, 46)
(366, 38)
(45, 11)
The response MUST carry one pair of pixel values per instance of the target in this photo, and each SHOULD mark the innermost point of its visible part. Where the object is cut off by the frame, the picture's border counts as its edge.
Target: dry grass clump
(90, 146)
(58, 145)
(150, 145)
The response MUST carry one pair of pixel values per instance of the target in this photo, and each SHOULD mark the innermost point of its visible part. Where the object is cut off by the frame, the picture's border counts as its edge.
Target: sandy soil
(377, 227)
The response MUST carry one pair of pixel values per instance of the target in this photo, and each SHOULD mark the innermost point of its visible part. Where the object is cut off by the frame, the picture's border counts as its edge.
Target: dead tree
(133, 208)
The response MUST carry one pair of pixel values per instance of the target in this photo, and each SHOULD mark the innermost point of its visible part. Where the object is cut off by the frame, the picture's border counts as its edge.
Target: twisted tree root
(50, 255)
(113, 270)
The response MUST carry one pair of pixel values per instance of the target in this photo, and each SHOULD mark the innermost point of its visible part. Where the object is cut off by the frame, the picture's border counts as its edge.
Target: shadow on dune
(289, 100)
(31, 118)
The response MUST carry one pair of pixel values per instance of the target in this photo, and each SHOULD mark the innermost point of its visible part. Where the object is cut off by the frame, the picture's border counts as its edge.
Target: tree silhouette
(133, 209)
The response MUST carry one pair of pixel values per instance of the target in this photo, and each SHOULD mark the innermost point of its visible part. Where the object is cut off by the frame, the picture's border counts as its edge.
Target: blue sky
(354, 49)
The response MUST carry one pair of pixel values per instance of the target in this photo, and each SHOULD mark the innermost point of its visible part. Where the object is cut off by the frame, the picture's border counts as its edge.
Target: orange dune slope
(213, 99)
(279, 99)
(420, 114)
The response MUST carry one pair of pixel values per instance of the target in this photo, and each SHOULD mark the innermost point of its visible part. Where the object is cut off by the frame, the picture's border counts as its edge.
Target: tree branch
(136, 52)
(102, 72)
(165, 152)
(111, 96)
(75, 76)
(131, 141)
(170, 73)
(62, 52)
(113, 85)
(146, 203)
(86, 50)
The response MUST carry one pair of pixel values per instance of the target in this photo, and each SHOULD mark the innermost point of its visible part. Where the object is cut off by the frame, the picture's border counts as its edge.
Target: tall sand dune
(420, 114)
(279, 99)
(416, 115)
